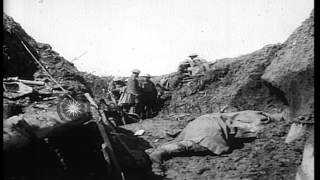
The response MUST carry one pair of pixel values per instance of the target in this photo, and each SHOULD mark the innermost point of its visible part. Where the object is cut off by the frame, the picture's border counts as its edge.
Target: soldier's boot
(139, 110)
(148, 112)
(143, 114)
(151, 111)
(126, 108)
(159, 156)
(135, 111)
(167, 151)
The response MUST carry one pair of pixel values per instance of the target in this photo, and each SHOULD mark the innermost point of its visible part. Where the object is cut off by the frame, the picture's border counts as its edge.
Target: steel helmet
(193, 55)
(117, 79)
(137, 71)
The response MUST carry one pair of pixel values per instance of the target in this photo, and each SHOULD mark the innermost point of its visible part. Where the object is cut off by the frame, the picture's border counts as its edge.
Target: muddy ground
(266, 157)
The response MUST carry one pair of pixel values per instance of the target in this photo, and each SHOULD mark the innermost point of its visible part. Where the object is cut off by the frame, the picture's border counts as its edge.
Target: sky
(112, 37)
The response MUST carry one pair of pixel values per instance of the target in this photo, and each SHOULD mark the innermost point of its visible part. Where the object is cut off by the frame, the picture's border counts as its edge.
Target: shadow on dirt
(234, 143)
(75, 153)
(238, 143)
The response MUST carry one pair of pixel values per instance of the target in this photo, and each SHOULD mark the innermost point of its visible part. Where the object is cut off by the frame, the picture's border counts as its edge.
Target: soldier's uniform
(212, 133)
(183, 66)
(115, 87)
(132, 94)
(149, 96)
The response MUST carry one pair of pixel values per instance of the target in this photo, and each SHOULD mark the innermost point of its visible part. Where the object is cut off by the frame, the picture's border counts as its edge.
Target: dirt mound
(38, 143)
(19, 63)
(270, 79)
(39, 106)
(292, 70)
(234, 83)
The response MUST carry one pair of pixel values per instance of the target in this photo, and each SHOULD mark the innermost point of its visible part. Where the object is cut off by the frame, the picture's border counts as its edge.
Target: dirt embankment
(233, 84)
(18, 62)
(292, 70)
(72, 150)
(272, 79)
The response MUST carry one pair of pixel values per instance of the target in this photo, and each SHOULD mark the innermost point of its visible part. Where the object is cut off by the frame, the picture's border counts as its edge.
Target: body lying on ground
(213, 133)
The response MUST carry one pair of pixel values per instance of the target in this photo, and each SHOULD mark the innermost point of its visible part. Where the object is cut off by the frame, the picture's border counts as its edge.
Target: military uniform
(149, 96)
(212, 133)
(115, 87)
(132, 94)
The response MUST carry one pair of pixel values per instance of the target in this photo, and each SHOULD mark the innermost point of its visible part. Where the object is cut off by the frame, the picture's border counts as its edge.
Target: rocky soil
(277, 79)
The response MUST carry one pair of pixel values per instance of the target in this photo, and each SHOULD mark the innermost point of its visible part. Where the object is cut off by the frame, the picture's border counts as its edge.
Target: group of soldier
(139, 96)
(136, 96)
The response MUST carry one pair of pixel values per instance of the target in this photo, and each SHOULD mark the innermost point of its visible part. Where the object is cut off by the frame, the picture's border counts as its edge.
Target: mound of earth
(292, 70)
(271, 79)
(233, 83)
(19, 63)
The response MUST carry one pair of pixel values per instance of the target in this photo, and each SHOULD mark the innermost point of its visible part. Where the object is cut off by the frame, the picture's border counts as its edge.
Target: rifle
(118, 108)
(106, 146)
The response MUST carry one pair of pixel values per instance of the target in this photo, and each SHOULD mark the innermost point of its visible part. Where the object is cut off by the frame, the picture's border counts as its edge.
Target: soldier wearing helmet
(148, 97)
(193, 55)
(132, 95)
(115, 87)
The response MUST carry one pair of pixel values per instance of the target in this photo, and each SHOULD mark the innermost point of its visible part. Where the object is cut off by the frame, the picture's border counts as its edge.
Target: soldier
(149, 96)
(132, 94)
(213, 133)
(183, 67)
(192, 62)
(164, 84)
(115, 87)
(193, 56)
(199, 66)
